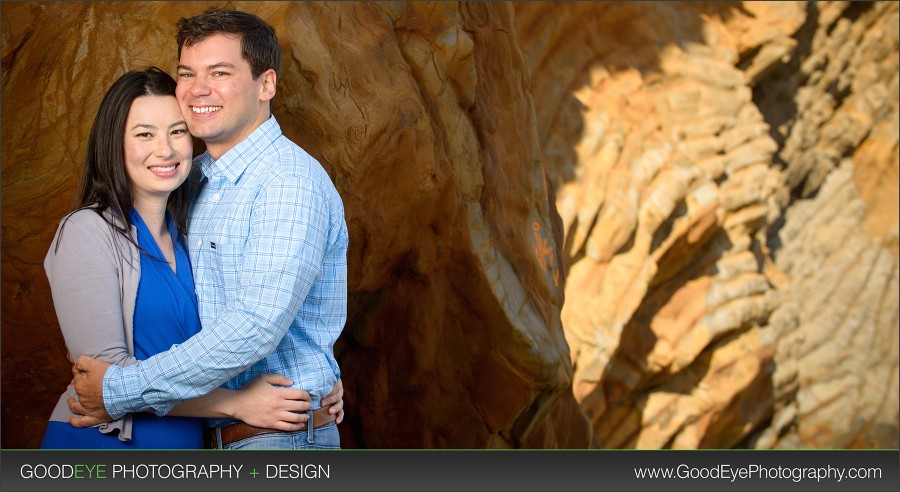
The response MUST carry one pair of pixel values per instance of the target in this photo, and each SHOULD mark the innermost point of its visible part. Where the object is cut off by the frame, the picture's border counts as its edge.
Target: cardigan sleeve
(85, 268)
(84, 275)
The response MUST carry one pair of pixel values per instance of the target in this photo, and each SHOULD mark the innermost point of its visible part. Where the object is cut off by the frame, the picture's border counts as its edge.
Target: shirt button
(198, 243)
(216, 197)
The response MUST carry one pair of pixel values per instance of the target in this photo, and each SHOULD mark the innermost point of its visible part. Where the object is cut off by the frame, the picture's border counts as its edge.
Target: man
(268, 244)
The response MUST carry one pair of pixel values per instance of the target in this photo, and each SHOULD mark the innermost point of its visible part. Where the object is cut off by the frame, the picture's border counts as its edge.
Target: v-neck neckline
(173, 269)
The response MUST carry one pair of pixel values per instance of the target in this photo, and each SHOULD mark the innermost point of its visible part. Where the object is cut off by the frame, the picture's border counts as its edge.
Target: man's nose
(199, 87)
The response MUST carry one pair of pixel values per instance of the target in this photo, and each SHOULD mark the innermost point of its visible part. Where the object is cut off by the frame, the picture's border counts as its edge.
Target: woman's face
(158, 148)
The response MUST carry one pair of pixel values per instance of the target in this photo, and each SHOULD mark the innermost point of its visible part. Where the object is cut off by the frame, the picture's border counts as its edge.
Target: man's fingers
(79, 383)
(80, 422)
(87, 364)
(75, 406)
(80, 364)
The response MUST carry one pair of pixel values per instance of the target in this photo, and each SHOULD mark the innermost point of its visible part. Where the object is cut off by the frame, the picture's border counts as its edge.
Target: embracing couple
(217, 293)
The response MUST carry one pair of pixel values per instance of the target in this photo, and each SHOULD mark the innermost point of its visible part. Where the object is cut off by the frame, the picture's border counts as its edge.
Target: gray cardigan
(94, 274)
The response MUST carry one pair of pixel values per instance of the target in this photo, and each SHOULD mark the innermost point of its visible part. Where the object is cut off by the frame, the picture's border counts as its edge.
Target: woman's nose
(163, 146)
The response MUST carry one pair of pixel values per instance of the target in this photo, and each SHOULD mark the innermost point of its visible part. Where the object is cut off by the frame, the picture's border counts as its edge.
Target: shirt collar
(234, 162)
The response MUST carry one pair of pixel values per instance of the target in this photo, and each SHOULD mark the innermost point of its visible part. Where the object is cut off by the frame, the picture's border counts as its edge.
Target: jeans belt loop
(310, 428)
(219, 444)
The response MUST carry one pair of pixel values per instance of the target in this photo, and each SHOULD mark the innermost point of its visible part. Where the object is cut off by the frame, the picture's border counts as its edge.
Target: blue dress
(165, 314)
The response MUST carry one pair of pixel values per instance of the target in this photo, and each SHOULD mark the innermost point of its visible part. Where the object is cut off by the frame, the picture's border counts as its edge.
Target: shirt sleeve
(280, 260)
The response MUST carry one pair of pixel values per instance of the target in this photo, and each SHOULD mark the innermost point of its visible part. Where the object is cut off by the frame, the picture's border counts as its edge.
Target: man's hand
(88, 383)
(336, 396)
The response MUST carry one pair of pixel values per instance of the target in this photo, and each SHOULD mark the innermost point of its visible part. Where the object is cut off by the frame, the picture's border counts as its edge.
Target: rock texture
(725, 176)
(837, 244)
(727, 179)
(422, 117)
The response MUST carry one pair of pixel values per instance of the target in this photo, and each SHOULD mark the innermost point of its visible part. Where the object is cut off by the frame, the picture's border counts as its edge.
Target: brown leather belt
(236, 432)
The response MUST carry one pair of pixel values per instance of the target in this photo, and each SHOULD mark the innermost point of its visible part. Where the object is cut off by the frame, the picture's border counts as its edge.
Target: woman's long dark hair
(104, 183)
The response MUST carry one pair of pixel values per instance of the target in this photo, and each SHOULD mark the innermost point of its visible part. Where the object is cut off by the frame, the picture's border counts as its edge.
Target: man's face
(221, 102)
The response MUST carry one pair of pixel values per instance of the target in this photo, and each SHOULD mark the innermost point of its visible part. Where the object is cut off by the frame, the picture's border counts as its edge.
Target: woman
(125, 241)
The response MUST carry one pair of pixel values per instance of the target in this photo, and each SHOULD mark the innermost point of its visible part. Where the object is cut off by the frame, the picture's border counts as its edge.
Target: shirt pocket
(228, 259)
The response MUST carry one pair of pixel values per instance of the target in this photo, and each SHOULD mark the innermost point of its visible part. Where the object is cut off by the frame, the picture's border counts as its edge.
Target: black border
(448, 470)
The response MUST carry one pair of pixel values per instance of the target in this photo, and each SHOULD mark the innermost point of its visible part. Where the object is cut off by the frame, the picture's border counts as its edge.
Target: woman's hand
(336, 397)
(265, 402)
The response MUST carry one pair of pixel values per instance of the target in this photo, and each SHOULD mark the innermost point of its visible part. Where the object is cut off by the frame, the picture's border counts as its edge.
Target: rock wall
(421, 115)
(725, 177)
(837, 323)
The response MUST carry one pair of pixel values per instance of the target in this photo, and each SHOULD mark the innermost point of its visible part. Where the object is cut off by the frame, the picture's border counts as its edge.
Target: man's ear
(267, 88)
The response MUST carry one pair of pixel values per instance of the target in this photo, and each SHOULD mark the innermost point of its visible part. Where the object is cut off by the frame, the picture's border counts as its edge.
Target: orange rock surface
(421, 115)
(611, 224)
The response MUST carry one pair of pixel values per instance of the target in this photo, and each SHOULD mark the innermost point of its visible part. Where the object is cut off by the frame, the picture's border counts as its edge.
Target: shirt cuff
(117, 398)
(114, 392)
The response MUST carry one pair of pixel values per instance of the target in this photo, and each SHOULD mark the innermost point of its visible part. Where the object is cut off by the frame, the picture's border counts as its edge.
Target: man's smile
(205, 109)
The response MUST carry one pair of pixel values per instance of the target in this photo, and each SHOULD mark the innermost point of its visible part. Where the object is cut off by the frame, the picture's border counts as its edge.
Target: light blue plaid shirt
(268, 244)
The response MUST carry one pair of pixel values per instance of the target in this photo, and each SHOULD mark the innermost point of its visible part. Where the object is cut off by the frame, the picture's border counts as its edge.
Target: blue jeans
(325, 437)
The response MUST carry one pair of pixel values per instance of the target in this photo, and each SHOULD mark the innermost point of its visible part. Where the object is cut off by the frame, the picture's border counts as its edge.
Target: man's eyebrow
(210, 67)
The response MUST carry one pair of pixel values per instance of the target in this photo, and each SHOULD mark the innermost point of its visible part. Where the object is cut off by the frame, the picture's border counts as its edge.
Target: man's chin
(203, 133)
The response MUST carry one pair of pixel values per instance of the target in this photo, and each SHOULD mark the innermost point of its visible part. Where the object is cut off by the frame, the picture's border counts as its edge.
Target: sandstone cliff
(722, 270)
(727, 179)
(421, 115)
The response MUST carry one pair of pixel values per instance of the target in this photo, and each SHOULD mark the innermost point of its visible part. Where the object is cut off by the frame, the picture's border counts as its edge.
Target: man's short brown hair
(259, 45)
